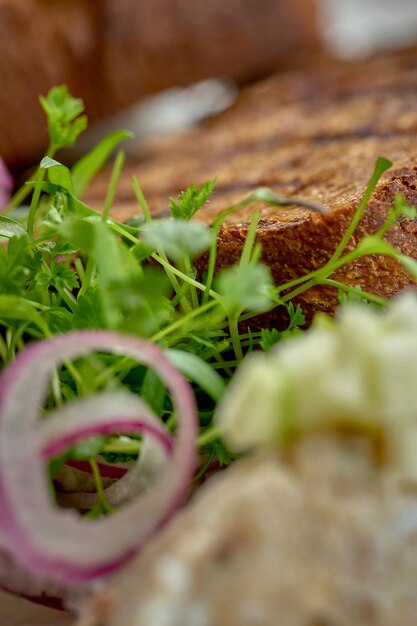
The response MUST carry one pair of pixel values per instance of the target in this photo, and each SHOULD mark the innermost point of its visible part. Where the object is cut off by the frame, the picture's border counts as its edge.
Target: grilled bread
(313, 134)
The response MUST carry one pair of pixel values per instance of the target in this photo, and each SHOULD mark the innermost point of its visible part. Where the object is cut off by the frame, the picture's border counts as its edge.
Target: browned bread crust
(312, 134)
(112, 52)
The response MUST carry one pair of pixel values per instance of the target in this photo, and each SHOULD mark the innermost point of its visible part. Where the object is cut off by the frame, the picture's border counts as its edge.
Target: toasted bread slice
(313, 134)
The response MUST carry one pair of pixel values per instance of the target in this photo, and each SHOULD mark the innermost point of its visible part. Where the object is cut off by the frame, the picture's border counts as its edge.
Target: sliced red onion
(58, 543)
(140, 477)
(6, 185)
(106, 405)
(151, 460)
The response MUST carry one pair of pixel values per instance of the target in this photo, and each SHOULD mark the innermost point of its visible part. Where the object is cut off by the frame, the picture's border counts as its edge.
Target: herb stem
(67, 297)
(114, 181)
(137, 189)
(160, 256)
(56, 387)
(221, 364)
(193, 291)
(250, 238)
(88, 276)
(40, 175)
(105, 506)
(167, 265)
(3, 350)
(179, 323)
(320, 275)
(381, 166)
(35, 201)
(208, 436)
(354, 291)
(169, 269)
(80, 268)
(226, 366)
(22, 193)
(211, 265)
(234, 336)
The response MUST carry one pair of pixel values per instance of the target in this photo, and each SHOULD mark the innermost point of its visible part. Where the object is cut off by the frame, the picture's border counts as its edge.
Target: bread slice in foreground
(312, 134)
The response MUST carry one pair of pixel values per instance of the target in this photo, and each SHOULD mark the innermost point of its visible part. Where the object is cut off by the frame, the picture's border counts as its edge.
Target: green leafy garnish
(246, 288)
(177, 238)
(64, 117)
(68, 266)
(191, 200)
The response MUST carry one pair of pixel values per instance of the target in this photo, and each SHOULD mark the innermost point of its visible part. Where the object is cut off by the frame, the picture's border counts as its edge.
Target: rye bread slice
(313, 134)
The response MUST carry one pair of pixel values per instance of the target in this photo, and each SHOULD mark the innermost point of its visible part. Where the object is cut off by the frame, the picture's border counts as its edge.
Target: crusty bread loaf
(112, 52)
(313, 134)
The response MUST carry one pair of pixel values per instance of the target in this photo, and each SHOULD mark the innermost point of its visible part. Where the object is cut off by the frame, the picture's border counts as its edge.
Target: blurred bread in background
(113, 52)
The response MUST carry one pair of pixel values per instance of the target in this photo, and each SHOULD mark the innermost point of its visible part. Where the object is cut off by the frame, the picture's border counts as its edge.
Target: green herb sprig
(68, 266)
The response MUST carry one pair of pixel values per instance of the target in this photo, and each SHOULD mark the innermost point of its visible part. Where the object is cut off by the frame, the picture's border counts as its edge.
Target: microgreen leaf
(222, 454)
(14, 269)
(57, 275)
(153, 392)
(191, 200)
(88, 311)
(269, 337)
(92, 236)
(58, 174)
(17, 308)
(356, 294)
(112, 259)
(245, 288)
(141, 300)
(10, 228)
(63, 113)
(179, 239)
(198, 371)
(297, 317)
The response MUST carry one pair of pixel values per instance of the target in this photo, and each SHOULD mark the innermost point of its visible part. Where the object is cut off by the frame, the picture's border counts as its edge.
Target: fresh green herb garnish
(67, 266)
(191, 200)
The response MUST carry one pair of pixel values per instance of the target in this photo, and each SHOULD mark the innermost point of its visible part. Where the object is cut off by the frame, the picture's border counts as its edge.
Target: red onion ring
(57, 543)
(106, 405)
(139, 478)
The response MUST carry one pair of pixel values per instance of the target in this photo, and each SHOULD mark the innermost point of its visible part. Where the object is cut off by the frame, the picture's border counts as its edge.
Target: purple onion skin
(6, 185)
(66, 569)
